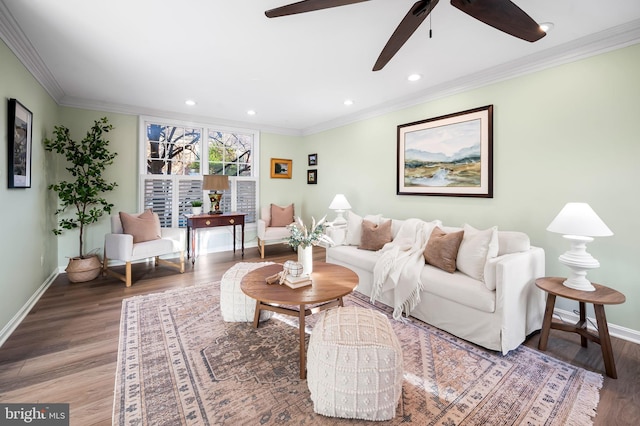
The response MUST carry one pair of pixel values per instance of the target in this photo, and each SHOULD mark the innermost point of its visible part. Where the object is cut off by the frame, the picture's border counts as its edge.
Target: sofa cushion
(458, 287)
(354, 226)
(476, 247)
(442, 249)
(363, 259)
(512, 242)
(143, 227)
(281, 216)
(375, 236)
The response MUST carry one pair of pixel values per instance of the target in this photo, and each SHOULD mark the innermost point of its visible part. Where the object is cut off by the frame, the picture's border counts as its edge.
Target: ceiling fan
(503, 15)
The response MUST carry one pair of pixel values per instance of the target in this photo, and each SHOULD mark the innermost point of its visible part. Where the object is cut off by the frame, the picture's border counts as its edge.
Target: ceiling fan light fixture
(414, 77)
(547, 26)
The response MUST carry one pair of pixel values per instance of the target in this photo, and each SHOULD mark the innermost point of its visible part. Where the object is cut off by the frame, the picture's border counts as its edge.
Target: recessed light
(414, 77)
(546, 26)
(348, 102)
(251, 112)
(190, 102)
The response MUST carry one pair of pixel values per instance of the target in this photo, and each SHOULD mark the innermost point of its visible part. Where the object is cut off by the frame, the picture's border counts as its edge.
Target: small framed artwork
(19, 137)
(451, 155)
(312, 177)
(281, 168)
(313, 159)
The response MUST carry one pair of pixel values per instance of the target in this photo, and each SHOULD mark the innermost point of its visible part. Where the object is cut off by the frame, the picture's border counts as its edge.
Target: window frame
(205, 127)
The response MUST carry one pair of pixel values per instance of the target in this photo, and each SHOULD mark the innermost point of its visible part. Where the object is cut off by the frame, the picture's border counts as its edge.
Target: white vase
(305, 257)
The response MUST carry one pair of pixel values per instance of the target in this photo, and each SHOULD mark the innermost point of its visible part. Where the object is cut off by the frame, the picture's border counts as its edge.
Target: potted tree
(82, 193)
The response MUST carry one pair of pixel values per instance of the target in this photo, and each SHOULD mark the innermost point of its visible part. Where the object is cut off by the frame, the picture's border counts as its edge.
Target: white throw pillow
(476, 247)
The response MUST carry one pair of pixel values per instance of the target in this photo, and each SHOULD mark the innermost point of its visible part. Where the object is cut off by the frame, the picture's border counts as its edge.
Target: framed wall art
(19, 152)
(451, 155)
(312, 176)
(313, 159)
(281, 168)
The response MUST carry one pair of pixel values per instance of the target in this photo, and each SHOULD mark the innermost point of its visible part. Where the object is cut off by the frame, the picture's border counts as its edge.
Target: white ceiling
(149, 56)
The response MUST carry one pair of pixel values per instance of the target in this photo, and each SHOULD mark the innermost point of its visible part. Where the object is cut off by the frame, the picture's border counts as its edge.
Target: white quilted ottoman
(354, 365)
(234, 304)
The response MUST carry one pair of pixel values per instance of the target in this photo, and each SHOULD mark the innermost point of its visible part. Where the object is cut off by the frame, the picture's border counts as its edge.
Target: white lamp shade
(579, 219)
(339, 203)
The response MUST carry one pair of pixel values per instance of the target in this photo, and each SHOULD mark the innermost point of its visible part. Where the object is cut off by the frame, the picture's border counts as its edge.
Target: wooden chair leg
(127, 274)
(261, 248)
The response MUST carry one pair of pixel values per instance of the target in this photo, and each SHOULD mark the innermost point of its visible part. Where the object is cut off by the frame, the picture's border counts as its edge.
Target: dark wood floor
(65, 349)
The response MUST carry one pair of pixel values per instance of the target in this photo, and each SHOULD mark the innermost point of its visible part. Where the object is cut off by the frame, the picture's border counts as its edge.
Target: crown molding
(612, 39)
(19, 43)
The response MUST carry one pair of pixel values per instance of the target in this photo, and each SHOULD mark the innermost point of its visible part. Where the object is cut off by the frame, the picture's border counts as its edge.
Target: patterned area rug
(180, 364)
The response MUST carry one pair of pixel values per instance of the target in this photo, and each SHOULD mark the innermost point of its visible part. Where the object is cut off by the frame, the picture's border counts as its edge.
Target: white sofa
(498, 319)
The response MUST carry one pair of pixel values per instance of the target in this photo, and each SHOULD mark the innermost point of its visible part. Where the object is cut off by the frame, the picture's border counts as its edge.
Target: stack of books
(296, 282)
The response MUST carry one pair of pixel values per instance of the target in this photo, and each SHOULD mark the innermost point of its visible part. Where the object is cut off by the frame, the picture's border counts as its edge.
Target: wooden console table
(600, 297)
(198, 221)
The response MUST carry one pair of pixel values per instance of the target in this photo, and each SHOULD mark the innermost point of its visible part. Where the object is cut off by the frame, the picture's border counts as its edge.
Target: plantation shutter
(246, 202)
(158, 196)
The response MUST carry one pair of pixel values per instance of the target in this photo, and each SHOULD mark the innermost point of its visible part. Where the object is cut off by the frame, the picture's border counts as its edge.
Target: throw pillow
(143, 227)
(476, 247)
(354, 227)
(281, 216)
(375, 236)
(442, 249)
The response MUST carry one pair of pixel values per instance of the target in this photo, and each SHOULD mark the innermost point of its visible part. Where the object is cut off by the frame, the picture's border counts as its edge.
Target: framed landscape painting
(281, 168)
(451, 155)
(19, 137)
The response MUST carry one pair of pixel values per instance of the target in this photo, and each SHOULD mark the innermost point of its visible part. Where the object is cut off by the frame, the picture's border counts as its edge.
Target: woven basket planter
(80, 270)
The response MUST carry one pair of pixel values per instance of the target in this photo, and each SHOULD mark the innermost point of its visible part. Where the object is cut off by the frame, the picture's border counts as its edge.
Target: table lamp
(339, 204)
(215, 183)
(579, 223)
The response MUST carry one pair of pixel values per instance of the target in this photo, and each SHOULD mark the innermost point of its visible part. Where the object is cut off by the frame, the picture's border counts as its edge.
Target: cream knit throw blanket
(400, 264)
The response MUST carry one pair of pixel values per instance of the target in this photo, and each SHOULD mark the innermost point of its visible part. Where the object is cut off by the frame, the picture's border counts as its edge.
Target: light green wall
(28, 250)
(565, 134)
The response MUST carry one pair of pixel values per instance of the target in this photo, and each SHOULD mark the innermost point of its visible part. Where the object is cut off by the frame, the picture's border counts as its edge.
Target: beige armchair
(144, 238)
(272, 225)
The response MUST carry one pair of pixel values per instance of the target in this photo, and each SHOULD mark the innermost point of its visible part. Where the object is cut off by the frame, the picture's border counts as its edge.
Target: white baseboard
(22, 313)
(614, 330)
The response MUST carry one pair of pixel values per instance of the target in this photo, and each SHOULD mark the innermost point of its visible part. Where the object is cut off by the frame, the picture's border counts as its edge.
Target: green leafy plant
(196, 203)
(87, 160)
(301, 236)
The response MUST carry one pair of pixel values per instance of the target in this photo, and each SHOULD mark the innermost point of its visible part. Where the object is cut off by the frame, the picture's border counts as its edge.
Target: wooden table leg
(605, 341)
(546, 323)
(303, 351)
(256, 316)
(583, 323)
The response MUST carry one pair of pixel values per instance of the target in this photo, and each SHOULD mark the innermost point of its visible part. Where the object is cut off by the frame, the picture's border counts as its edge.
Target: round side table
(601, 296)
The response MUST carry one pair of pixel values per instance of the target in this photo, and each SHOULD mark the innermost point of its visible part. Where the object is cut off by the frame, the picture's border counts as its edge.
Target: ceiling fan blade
(307, 6)
(502, 15)
(410, 23)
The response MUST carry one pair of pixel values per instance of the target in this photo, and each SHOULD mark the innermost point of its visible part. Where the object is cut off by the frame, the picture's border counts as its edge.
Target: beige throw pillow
(281, 216)
(143, 227)
(375, 236)
(476, 247)
(442, 249)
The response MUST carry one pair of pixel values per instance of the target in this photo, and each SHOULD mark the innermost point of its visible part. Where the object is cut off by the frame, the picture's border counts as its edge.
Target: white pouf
(236, 306)
(354, 365)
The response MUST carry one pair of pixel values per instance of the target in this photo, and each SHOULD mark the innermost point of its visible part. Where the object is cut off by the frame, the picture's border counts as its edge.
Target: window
(172, 167)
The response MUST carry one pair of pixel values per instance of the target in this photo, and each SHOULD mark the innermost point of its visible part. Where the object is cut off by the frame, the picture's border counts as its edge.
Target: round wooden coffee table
(330, 283)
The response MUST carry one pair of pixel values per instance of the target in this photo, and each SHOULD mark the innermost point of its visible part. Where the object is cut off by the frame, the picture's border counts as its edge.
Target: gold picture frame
(281, 168)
